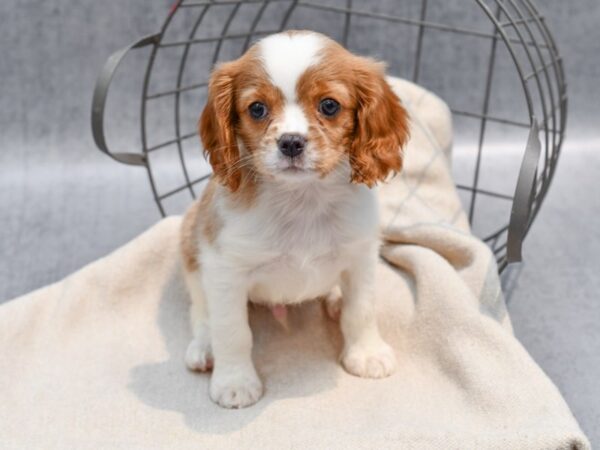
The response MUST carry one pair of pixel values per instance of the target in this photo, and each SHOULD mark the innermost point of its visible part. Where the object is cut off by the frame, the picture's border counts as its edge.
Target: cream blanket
(96, 360)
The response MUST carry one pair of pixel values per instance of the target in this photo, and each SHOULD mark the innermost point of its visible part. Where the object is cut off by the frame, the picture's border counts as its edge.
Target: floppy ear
(217, 126)
(381, 128)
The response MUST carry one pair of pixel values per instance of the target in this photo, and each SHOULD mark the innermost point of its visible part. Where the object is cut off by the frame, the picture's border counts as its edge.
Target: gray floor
(553, 297)
(63, 204)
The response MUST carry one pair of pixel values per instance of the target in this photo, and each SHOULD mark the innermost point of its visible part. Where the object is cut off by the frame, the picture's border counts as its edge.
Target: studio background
(63, 204)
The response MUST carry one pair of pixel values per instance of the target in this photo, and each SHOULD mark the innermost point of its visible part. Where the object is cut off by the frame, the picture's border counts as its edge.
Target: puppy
(298, 130)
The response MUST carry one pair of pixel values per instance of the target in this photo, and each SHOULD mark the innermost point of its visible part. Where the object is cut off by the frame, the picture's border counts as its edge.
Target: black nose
(291, 144)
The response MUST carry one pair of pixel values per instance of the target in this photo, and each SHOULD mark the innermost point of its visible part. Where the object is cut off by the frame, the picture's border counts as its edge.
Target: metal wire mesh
(524, 70)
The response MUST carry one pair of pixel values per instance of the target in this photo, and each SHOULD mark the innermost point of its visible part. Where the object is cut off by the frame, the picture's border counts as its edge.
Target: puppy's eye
(329, 107)
(258, 110)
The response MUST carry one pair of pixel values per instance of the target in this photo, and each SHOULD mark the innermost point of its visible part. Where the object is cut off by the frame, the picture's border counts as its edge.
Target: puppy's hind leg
(199, 353)
(333, 304)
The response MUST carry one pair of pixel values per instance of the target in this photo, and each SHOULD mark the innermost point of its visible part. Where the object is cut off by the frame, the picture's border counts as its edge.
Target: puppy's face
(298, 106)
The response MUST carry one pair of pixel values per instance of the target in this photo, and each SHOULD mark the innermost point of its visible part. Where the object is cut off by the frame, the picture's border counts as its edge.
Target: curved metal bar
(548, 158)
(254, 24)
(288, 15)
(521, 202)
(422, 18)
(484, 114)
(549, 40)
(224, 30)
(512, 53)
(144, 137)
(101, 94)
(537, 188)
(182, 64)
(521, 208)
(534, 71)
(561, 102)
(347, 20)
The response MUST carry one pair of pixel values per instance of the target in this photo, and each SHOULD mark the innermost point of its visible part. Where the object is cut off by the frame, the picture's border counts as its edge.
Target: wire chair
(523, 73)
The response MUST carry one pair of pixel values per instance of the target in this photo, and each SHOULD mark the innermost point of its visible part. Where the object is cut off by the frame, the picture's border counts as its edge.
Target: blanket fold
(96, 360)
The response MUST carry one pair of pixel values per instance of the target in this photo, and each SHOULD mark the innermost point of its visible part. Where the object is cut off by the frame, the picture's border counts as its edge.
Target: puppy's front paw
(375, 360)
(235, 388)
(199, 356)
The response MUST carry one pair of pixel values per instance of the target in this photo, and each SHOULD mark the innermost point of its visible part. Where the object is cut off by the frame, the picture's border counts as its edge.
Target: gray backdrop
(63, 204)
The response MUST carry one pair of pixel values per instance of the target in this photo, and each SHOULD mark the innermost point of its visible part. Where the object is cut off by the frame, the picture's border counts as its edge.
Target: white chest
(292, 278)
(296, 250)
(298, 259)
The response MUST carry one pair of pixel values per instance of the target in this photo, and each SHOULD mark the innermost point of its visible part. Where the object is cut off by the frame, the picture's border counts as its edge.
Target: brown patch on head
(330, 136)
(225, 122)
(222, 120)
(254, 86)
(201, 219)
(371, 125)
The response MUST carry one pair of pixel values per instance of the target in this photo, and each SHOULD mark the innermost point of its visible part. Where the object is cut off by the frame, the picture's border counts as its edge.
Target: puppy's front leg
(234, 382)
(365, 353)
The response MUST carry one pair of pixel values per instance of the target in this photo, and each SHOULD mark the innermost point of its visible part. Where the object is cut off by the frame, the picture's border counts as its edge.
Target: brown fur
(381, 126)
(225, 118)
(201, 219)
(330, 135)
(217, 126)
(371, 127)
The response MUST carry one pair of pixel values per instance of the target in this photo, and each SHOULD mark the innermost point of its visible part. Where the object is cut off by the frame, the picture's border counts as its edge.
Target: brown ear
(381, 126)
(217, 126)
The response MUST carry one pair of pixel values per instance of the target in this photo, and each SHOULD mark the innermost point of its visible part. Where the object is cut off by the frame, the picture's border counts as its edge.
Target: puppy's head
(298, 106)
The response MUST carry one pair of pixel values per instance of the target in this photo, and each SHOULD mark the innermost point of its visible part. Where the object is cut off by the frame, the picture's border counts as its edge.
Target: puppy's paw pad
(236, 393)
(376, 361)
(198, 356)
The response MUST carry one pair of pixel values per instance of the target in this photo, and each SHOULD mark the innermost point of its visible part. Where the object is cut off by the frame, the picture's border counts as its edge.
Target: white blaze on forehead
(294, 120)
(287, 56)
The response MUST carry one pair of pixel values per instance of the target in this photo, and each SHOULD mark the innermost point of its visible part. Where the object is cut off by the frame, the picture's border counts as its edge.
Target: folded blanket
(96, 360)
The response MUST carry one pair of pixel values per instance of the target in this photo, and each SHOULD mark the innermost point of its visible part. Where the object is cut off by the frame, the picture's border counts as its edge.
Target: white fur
(294, 120)
(285, 58)
(300, 239)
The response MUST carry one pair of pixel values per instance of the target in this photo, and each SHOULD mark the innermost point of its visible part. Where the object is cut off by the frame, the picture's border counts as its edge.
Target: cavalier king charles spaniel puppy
(298, 131)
